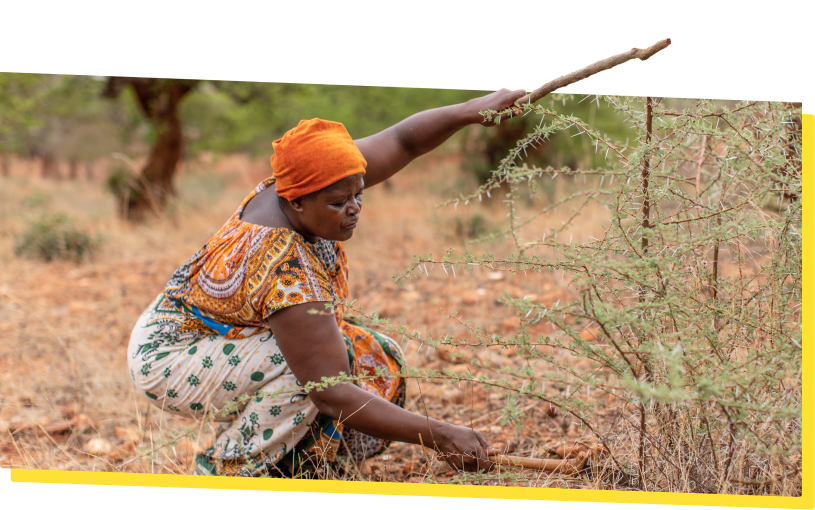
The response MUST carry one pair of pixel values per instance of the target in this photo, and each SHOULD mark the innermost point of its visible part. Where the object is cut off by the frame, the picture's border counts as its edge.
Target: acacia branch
(594, 68)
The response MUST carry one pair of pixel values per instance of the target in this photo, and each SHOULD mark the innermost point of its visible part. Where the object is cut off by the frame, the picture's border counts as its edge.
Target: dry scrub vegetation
(67, 398)
(543, 344)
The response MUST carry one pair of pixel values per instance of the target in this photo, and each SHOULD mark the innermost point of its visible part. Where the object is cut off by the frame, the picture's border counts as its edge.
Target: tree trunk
(159, 100)
(73, 169)
(50, 169)
(89, 170)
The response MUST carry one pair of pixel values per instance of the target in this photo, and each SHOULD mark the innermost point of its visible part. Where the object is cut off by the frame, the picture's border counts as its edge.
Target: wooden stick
(566, 467)
(595, 68)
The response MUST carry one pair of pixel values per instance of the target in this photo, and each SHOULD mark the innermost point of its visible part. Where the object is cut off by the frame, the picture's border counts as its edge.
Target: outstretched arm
(391, 150)
(313, 348)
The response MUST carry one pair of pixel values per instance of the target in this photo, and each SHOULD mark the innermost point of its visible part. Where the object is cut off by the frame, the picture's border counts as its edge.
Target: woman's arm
(391, 150)
(313, 348)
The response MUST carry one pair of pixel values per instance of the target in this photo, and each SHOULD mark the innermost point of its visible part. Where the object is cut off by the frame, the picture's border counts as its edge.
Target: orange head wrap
(315, 154)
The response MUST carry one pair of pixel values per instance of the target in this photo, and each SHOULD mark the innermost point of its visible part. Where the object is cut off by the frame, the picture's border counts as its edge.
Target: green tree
(55, 118)
(158, 100)
(19, 95)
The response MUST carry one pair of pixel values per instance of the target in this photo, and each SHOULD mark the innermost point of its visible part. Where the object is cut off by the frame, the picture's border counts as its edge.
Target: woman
(241, 328)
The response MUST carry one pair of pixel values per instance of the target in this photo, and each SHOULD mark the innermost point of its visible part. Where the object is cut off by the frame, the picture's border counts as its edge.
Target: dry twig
(594, 68)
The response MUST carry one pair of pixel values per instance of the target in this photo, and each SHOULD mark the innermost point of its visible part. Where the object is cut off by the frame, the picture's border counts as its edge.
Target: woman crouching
(235, 334)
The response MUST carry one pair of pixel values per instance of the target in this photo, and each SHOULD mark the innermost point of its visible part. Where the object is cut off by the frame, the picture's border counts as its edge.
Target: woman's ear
(296, 204)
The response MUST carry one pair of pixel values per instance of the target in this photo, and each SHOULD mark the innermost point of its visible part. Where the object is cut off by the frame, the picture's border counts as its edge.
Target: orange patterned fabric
(315, 154)
(246, 272)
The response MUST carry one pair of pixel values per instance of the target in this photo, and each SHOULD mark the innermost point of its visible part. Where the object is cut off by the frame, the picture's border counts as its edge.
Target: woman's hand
(391, 150)
(499, 100)
(462, 447)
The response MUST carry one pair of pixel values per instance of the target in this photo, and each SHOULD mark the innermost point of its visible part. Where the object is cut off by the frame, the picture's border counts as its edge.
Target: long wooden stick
(595, 68)
(565, 467)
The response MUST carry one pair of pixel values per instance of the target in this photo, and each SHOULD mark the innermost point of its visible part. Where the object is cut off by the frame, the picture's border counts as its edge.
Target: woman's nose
(353, 208)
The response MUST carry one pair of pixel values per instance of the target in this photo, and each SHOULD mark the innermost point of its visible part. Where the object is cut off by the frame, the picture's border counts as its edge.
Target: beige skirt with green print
(268, 422)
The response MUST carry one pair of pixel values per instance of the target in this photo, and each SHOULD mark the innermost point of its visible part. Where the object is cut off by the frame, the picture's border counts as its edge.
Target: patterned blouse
(246, 272)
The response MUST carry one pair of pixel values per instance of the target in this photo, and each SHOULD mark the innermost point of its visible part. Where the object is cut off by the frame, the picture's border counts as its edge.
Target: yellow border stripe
(397, 489)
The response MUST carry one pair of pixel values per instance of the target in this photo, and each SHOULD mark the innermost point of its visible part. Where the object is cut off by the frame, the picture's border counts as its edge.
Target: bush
(688, 307)
(119, 181)
(55, 237)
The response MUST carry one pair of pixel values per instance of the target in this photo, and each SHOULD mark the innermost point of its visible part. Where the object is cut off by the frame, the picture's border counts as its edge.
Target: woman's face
(331, 213)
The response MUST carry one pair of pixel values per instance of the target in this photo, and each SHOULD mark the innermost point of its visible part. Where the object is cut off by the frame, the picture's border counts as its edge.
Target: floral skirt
(268, 424)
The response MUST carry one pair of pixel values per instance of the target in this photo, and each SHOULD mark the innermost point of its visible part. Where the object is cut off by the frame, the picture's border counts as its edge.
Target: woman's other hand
(462, 448)
(498, 100)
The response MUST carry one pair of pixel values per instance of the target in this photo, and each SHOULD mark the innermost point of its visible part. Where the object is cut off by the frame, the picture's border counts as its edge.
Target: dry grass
(64, 326)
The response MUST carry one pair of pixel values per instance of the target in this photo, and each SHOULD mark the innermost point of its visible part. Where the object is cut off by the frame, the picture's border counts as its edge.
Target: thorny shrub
(707, 362)
(56, 236)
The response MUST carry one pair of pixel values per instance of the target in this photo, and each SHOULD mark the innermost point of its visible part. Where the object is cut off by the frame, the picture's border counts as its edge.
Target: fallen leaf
(569, 451)
(126, 434)
(505, 448)
(82, 422)
(59, 427)
(69, 412)
(128, 447)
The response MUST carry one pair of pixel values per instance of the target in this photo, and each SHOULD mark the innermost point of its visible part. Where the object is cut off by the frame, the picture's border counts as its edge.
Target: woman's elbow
(330, 400)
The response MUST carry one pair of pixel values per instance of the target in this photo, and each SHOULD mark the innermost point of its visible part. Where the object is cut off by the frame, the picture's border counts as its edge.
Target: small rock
(412, 296)
(495, 276)
(470, 298)
(98, 446)
(411, 466)
(364, 468)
